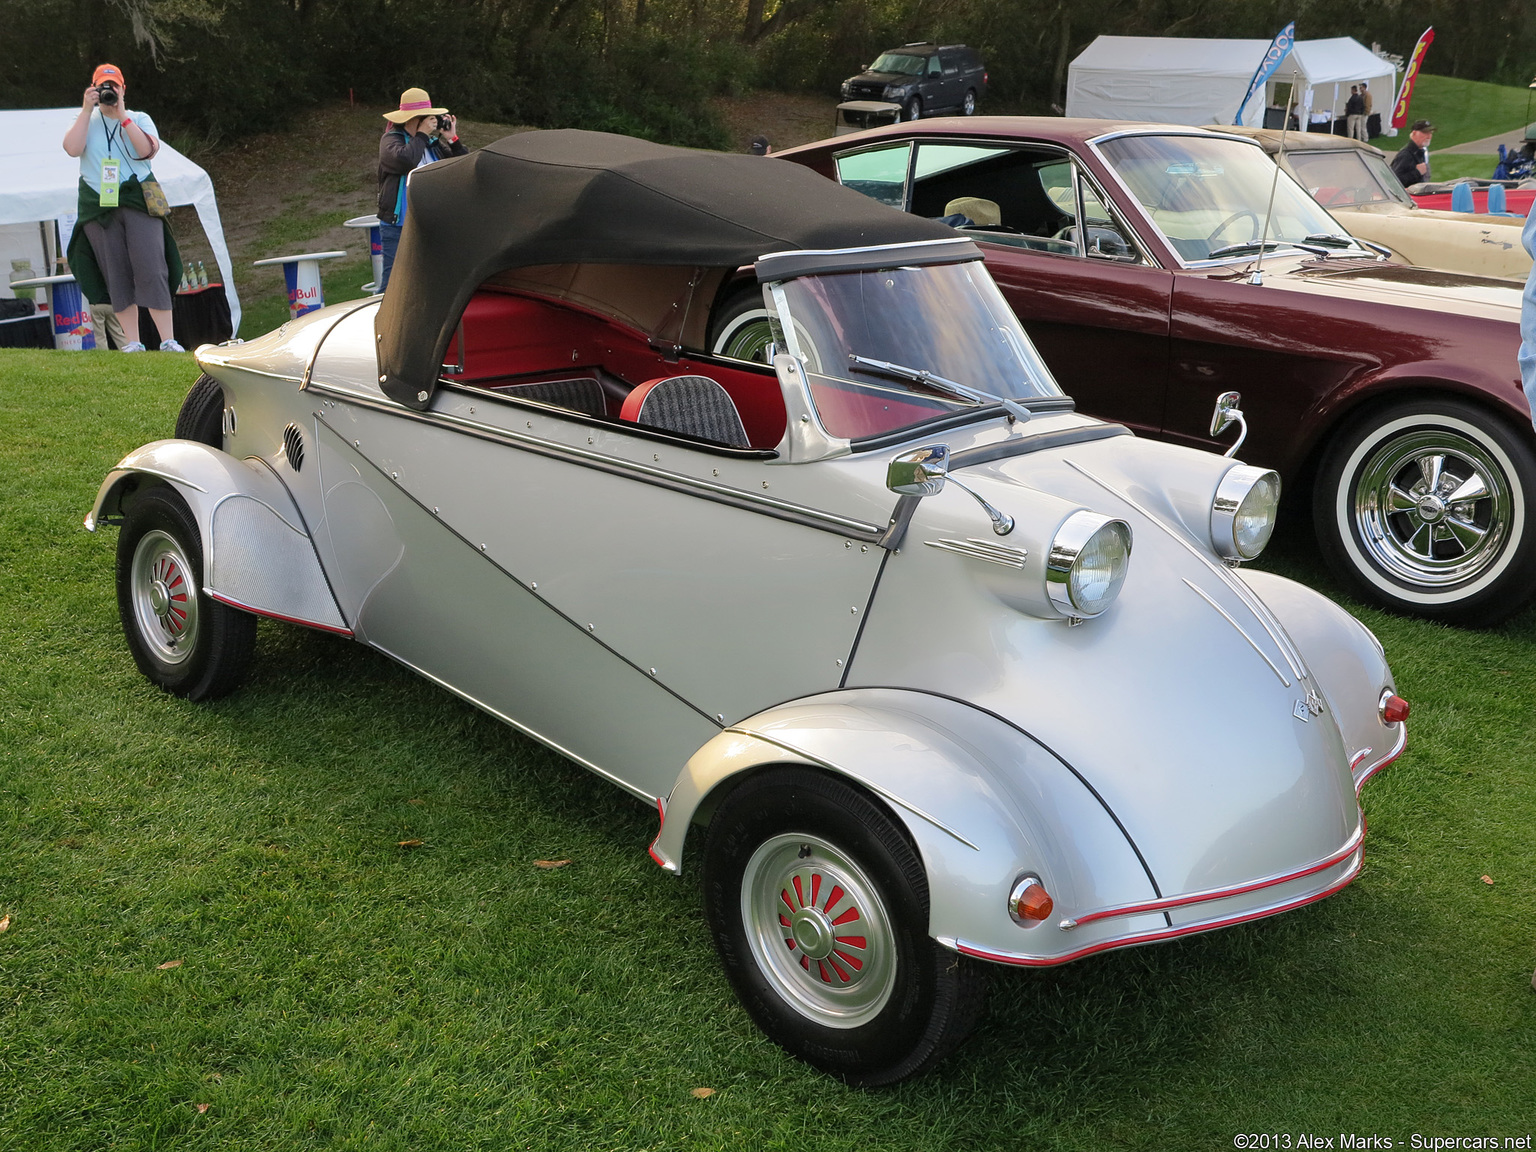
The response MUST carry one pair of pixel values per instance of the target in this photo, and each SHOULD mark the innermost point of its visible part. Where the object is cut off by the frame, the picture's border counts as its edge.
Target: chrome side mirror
(919, 473)
(924, 472)
(1228, 413)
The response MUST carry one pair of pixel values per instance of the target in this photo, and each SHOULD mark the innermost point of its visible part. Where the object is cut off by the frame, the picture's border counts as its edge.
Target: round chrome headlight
(1087, 563)
(1243, 513)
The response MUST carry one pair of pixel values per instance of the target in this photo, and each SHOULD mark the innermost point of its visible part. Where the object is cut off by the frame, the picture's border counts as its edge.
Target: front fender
(982, 801)
(257, 553)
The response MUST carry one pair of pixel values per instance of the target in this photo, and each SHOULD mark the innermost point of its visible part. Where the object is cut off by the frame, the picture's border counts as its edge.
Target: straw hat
(414, 102)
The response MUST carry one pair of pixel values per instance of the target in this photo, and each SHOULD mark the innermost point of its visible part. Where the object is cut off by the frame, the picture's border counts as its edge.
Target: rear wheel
(202, 413)
(1424, 507)
(182, 639)
(742, 330)
(968, 105)
(819, 909)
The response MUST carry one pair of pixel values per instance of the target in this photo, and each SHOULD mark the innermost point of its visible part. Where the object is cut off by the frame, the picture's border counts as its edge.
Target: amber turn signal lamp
(1029, 902)
(1394, 709)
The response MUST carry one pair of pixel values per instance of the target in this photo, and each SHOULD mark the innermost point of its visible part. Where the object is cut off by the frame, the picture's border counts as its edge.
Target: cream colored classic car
(1353, 181)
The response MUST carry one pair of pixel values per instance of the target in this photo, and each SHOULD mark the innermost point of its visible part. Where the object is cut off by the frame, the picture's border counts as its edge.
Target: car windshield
(948, 321)
(900, 62)
(1346, 179)
(1209, 197)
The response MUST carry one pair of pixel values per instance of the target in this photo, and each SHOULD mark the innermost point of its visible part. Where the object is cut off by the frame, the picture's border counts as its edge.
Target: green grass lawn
(1466, 110)
(339, 280)
(335, 990)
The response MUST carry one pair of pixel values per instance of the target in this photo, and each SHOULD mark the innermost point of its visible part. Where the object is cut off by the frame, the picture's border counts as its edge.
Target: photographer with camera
(121, 249)
(417, 135)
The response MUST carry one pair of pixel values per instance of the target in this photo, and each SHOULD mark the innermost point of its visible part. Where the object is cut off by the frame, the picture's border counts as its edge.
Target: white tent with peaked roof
(1176, 80)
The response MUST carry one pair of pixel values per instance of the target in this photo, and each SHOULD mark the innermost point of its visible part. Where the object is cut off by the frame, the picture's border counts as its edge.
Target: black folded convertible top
(573, 197)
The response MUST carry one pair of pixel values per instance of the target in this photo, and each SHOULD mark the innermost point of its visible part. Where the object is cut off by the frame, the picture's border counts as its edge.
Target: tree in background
(648, 67)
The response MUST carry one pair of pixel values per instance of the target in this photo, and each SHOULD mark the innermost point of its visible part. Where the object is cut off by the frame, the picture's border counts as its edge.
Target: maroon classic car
(1132, 254)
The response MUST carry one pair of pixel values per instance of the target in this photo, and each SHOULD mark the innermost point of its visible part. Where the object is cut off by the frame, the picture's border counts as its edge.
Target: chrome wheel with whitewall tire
(1425, 507)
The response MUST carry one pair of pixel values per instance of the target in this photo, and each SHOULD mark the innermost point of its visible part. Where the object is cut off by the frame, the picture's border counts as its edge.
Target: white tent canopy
(40, 182)
(1187, 81)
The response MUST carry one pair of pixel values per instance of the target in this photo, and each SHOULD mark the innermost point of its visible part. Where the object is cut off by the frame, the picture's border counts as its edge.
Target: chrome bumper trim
(1397, 750)
(1023, 960)
(1351, 846)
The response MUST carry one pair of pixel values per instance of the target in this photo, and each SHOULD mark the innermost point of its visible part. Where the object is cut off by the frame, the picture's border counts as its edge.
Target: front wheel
(1424, 507)
(912, 109)
(819, 909)
(181, 638)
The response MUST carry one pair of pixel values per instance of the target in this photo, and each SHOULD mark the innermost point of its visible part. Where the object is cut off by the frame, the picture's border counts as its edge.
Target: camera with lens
(107, 93)
(442, 123)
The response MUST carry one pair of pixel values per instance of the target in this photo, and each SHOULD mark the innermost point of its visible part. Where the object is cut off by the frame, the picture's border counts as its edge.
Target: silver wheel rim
(970, 103)
(1433, 508)
(747, 337)
(818, 930)
(164, 597)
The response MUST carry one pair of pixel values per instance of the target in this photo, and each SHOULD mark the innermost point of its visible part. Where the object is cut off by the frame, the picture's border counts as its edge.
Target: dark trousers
(130, 251)
(389, 240)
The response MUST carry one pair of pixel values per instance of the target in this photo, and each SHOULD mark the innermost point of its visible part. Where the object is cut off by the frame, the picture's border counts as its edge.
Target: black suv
(923, 79)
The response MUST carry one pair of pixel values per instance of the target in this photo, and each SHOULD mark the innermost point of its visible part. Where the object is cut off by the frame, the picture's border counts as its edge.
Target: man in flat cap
(1411, 164)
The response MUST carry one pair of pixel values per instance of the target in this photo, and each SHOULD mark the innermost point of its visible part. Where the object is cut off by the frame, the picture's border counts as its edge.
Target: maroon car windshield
(1211, 196)
(891, 349)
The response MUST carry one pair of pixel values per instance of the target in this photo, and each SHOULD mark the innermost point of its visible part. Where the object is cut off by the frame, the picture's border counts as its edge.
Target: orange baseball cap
(109, 72)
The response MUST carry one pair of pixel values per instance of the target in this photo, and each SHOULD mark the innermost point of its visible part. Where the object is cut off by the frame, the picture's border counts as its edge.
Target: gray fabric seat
(581, 394)
(689, 405)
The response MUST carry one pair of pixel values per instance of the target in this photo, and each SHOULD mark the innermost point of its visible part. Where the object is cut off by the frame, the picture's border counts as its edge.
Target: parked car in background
(924, 79)
(1352, 180)
(1518, 196)
(1131, 254)
(761, 597)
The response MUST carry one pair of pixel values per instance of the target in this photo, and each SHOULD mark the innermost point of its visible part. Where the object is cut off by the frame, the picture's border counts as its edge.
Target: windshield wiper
(1268, 246)
(923, 376)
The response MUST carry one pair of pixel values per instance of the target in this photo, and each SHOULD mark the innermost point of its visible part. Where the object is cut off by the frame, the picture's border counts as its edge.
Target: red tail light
(1394, 709)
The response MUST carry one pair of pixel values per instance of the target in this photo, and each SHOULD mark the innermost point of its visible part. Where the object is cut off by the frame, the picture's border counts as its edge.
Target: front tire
(181, 638)
(819, 909)
(1423, 506)
(912, 109)
(202, 413)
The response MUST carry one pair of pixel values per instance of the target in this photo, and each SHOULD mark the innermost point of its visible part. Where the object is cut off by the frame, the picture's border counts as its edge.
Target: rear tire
(818, 905)
(742, 330)
(968, 105)
(1424, 507)
(202, 413)
(181, 638)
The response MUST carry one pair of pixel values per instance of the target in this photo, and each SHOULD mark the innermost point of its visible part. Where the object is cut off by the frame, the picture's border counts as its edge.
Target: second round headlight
(1087, 563)
(1243, 512)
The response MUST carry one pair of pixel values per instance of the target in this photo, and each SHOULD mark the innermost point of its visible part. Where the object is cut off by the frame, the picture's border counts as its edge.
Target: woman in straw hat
(417, 135)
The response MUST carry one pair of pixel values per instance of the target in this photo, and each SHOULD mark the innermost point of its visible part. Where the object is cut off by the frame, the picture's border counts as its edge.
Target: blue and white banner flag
(1277, 52)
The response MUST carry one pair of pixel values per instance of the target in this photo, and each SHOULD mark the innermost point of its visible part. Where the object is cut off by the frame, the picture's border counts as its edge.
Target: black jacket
(1405, 165)
(398, 154)
(1354, 106)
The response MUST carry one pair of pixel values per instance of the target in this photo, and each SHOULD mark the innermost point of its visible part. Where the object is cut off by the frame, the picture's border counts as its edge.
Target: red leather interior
(506, 334)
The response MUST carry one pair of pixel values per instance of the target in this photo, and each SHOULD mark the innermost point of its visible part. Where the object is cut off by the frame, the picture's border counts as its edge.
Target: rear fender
(983, 802)
(257, 552)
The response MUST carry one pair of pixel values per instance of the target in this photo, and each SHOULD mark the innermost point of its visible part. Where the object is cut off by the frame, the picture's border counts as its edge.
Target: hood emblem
(1306, 708)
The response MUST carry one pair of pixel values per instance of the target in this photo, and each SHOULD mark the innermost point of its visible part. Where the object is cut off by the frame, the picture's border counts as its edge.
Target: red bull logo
(72, 329)
(304, 291)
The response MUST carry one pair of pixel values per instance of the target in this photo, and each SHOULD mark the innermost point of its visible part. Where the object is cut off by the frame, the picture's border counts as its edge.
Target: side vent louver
(293, 446)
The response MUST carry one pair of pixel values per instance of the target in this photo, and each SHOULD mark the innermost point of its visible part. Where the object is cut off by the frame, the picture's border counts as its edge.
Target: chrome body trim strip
(1393, 754)
(142, 471)
(644, 473)
(1204, 596)
(1351, 846)
(983, 550)
(314, 353)
(244, 607)
(844, 771)
(1257, 607)
(523, 728)
(1028, 961)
